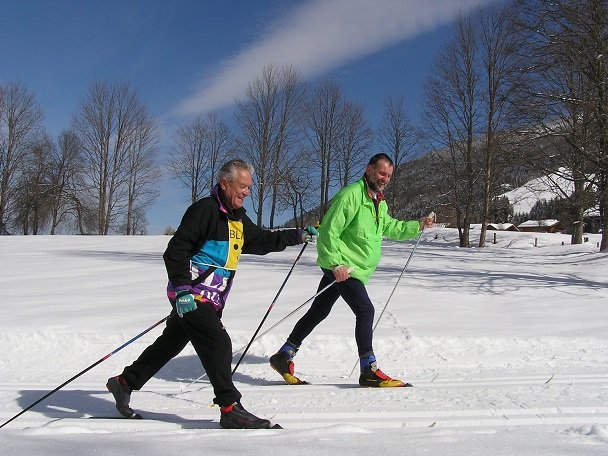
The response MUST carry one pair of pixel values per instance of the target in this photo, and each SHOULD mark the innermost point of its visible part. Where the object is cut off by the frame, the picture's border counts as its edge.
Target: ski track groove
(436, 381)
(539, 416)
(519, 415)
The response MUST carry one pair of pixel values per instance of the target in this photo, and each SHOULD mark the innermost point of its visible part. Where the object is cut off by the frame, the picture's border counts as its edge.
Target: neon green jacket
(351, 231)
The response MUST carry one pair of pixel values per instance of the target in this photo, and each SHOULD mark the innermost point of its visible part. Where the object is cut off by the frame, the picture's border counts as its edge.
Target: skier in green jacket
(348, 251)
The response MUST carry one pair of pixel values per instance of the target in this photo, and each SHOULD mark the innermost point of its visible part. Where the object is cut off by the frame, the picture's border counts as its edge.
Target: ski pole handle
(427, 222)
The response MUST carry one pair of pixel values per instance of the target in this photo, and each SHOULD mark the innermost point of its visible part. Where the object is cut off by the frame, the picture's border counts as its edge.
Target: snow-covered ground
(545, 188)
(507, 348)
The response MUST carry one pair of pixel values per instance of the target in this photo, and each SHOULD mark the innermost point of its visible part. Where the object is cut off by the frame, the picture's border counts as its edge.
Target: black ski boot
(373, 377)
(122, 395)
(234, 416)
(282, 362)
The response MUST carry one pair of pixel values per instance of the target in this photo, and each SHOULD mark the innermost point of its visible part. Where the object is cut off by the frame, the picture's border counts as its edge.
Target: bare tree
(297, 184)
(109, 125)
(200, 147)
(323, 120)
(143, 173)
(453, 119)
(20, 122)
(399, 139)
(268, 117)
(31, 204)
(220, 147)
(64, 176)
(292, 93)
(500, 65)
(353, 142)
(566, 96)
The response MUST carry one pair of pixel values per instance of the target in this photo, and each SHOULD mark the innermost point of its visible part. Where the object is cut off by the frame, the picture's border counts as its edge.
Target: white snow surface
(507, 348)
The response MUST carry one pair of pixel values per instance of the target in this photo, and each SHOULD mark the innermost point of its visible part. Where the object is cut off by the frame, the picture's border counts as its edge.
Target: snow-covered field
(507, 348)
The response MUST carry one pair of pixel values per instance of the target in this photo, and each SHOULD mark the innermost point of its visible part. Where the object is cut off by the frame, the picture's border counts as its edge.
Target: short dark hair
(380, 156)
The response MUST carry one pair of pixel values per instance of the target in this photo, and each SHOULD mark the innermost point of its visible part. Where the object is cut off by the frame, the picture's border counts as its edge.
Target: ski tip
(293, 380)
(276, 426)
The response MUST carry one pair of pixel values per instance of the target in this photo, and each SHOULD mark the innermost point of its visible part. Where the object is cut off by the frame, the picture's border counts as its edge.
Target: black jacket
(203, 254)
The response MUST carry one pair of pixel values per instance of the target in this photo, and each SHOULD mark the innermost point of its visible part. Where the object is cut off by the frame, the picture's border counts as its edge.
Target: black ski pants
(203, 328)
(355, 295)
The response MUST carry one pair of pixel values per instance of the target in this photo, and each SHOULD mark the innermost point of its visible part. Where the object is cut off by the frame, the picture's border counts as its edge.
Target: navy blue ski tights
(355, 295)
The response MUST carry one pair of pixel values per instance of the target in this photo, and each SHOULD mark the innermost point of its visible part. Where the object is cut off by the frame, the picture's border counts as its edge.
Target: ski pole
(84, 371)
(269, 309)
(431, 215)
(269, 329)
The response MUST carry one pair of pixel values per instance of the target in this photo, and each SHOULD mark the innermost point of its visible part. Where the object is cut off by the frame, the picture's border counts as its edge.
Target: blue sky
(186, 57)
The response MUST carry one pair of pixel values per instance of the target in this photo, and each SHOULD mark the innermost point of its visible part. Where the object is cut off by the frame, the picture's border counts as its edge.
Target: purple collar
(215, 192)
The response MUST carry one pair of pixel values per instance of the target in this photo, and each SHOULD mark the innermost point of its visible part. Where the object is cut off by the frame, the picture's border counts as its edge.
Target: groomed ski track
(476, 403)
(506, 349)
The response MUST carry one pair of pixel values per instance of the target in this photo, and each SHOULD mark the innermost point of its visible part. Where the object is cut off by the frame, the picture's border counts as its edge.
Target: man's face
(235, 191)
(379, 175)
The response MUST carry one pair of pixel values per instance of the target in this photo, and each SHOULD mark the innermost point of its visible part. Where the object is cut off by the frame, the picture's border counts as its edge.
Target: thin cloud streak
(319, 36)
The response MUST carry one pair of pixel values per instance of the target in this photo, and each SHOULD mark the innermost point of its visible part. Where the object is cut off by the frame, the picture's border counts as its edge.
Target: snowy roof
(548, 222)
(501, 226)
(592, 212)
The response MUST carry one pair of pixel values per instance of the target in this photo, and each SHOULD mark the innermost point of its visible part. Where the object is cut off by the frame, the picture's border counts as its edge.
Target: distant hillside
(542, 188)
